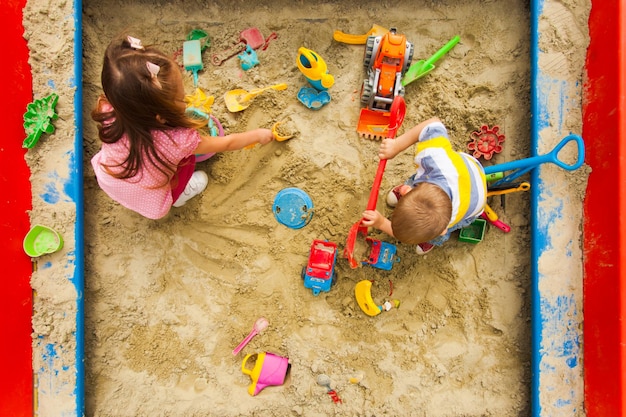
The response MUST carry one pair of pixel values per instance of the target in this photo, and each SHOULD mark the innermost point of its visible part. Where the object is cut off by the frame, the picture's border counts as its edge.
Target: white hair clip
(154, 71)
(134, 42)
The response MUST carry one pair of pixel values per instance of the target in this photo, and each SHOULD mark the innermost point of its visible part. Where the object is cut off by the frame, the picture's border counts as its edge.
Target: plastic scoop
(192, 58)
(421, 67)
(277, 135)
(259, 325)
(239, 99)
(376, 30)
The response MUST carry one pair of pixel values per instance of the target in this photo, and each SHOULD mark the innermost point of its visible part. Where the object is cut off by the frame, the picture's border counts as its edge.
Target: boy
(447, 192)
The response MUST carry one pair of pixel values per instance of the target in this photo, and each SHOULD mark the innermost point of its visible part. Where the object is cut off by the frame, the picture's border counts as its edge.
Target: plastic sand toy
(324, 381)
(382, 254)
(486, 141)
(363, 295)
(314, 68)
(312, 98)
(422, 67)
(38, 119)
(249, 37)
(293, 208)
(396, 117)
(277, 134)
(213, 124)
(192, 58)
(200, 35)
(41, 240)
(239, 99)
(259, 325)
(248, 58)
(473, 233)
(351, 39)
(319, 273)
(200, 101)
(269, 370)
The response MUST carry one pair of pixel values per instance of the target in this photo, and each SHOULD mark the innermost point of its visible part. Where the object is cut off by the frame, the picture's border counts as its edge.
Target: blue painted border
(556, 369)
(536, 6)
(53, 391)
(76, 191)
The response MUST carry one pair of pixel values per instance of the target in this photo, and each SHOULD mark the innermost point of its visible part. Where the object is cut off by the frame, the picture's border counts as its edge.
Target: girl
(149, 143)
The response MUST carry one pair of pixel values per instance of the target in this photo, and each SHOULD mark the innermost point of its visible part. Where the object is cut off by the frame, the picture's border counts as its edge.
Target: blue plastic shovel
(522, 166)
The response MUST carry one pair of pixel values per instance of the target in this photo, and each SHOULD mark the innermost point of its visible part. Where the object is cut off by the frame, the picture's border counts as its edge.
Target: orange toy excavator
(387, 58)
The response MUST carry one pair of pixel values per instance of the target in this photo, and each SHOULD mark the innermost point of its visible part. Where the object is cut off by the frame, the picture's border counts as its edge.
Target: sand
(166, 301)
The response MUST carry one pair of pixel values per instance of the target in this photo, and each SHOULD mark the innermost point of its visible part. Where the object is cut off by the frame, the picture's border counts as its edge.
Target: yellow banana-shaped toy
(363, 294)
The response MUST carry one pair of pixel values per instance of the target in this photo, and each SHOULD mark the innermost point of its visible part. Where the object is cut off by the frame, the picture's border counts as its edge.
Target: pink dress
(148, 193)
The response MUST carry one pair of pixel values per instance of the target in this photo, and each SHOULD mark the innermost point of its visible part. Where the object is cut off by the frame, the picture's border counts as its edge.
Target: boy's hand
(388, 149)
(372, 218)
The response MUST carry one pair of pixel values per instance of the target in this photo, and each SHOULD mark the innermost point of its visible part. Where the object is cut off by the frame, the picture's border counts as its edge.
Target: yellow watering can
(314, 69)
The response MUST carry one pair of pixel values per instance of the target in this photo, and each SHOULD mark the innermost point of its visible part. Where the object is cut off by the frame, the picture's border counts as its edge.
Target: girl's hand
(233, 141)
(263, 136)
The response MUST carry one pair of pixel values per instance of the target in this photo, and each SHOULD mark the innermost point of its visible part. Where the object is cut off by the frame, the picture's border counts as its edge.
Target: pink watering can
(269, 369)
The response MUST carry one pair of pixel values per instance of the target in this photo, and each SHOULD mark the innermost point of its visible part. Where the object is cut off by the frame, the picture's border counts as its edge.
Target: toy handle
(554, 154)
(490, 214)
(396, 117)
(218, 58)
(310, 56)
(266, 43)
(245, 341)
(371, 203)
(257, 91)
(195, 78)
(442, 51)
(499, 224)
(534, 161)
(243, 365)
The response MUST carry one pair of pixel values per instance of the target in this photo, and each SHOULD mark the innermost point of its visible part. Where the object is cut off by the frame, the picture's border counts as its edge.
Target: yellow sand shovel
(239, 99)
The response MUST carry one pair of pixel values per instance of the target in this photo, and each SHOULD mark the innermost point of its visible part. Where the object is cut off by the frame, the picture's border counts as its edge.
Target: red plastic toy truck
(319, 274)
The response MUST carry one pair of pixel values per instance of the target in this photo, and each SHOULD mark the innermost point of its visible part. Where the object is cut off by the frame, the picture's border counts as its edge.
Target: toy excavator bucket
(373, 124)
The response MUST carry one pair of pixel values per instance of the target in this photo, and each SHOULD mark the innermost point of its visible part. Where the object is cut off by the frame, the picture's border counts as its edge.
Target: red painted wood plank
(604, 234)
(16, 384)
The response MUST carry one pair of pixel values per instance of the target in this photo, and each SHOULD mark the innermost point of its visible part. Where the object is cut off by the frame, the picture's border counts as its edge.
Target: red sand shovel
(396, 117)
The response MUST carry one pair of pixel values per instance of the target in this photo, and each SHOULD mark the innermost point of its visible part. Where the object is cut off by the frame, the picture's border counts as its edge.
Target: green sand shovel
(421, 67)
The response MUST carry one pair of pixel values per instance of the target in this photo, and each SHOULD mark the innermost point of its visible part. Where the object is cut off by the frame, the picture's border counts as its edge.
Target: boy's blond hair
(422, 214)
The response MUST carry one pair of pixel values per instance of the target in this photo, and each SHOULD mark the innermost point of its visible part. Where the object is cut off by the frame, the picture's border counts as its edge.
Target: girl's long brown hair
(137, 99)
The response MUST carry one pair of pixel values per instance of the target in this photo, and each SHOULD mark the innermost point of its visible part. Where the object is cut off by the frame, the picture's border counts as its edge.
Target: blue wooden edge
(556, 317)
